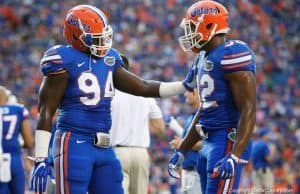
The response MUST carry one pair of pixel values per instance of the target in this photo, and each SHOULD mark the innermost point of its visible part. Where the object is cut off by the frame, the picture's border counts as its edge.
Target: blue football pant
(17, 183)
(82, 167)
(214, 148)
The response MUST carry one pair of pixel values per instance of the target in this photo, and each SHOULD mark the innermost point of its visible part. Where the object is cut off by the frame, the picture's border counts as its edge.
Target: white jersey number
(12, 119)
(207, 87)
(89, 84)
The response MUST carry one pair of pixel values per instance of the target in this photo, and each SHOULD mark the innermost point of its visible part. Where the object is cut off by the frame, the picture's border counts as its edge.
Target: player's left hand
(40, 174)
(226, 167)
(190, 80)
(175, 163)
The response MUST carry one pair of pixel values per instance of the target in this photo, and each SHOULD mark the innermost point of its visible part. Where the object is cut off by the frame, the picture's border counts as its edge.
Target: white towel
(5, 173)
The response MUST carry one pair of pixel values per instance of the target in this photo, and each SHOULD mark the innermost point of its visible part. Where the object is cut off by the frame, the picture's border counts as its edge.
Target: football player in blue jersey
(227, 90)
(13, 121)
(79, 80)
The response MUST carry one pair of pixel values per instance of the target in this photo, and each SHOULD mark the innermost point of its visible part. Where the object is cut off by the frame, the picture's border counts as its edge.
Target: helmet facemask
(98, 43)
(192, 38)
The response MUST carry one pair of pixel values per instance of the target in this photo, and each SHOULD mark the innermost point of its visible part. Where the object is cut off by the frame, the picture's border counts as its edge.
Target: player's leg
(139, 177)
(219, 146)
(124, 155)
(17, 183)
(74, 159)
(202, 168)
(107, 173)
(4, 187)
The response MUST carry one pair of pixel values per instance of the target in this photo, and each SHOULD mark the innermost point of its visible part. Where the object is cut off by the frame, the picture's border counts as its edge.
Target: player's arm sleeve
(54, 61)
(237, 57)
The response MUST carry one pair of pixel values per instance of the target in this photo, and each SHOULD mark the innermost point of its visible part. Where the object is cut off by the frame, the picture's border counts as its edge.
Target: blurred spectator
(262, 176)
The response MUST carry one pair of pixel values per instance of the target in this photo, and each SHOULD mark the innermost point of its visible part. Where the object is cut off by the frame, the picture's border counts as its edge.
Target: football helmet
(86, 29)
(202, 21)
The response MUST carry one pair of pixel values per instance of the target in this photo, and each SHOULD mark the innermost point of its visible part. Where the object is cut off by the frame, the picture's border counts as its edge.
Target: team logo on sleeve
(110, 61)
(208, 66)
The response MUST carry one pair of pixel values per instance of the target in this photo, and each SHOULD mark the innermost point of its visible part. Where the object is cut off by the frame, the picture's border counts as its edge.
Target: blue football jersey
(85, 107)
(218, 109)
(12, 117)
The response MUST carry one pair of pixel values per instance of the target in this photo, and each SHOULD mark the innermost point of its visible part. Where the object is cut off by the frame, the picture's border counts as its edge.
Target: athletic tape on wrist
(167, 89)
(42, 139)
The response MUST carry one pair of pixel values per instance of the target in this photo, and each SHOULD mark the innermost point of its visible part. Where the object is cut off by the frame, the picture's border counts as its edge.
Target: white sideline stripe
(61, 162)
(236, 60)
(54, 57)
(225, 190)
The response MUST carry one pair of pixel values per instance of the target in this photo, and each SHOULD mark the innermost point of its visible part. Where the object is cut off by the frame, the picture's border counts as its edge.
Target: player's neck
(214, 43)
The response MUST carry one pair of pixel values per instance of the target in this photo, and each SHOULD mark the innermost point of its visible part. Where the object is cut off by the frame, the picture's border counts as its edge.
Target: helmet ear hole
(208, 26)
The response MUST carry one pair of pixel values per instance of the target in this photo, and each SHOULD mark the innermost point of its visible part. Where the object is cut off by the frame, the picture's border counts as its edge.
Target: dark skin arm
(130, 83)
(243, 88)
(192, 136)
(51, 92)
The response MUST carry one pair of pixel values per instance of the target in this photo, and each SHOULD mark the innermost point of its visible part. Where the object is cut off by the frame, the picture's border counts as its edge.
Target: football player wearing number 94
(227, 90)
(79, 81)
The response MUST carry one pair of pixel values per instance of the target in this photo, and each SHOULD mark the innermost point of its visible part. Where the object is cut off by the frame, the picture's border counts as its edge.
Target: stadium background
(147, 31)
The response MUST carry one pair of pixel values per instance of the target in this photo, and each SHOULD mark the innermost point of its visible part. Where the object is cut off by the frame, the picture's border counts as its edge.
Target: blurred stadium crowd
(147, 32)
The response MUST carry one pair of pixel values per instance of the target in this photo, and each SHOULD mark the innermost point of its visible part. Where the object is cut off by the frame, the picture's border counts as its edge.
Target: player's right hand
(175, 163)
(40, 174)
(190, 80)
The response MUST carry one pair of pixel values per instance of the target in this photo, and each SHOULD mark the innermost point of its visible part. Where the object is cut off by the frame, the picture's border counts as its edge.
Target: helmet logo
(74, 21)
(203, 10)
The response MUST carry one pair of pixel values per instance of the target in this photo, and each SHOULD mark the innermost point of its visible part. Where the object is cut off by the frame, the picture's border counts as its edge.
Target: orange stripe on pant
(57, 165)
(65, 162)
(222, 181)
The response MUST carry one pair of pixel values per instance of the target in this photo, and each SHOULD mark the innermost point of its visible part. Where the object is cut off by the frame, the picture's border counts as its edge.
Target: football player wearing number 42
(79, 80)
(227, 90)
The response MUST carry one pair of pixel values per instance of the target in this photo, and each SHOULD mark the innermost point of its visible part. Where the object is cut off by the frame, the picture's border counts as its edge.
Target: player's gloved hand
(175, 163)
(40, 174)
(190, 81)
(225, 168)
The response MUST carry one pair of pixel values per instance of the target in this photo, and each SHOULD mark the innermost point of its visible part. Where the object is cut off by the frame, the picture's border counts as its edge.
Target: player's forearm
(244, 131)
(43, 131)
(190, 140)
(159, 89)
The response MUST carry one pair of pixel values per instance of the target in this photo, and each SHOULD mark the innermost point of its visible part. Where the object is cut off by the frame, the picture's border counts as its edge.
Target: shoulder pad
(54, 60)
(116, 55)
(237, 57)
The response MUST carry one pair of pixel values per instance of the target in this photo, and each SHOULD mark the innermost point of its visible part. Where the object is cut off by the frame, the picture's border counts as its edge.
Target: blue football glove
(226, 167)
(40, 174)
(175, 163)
(190, 81)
